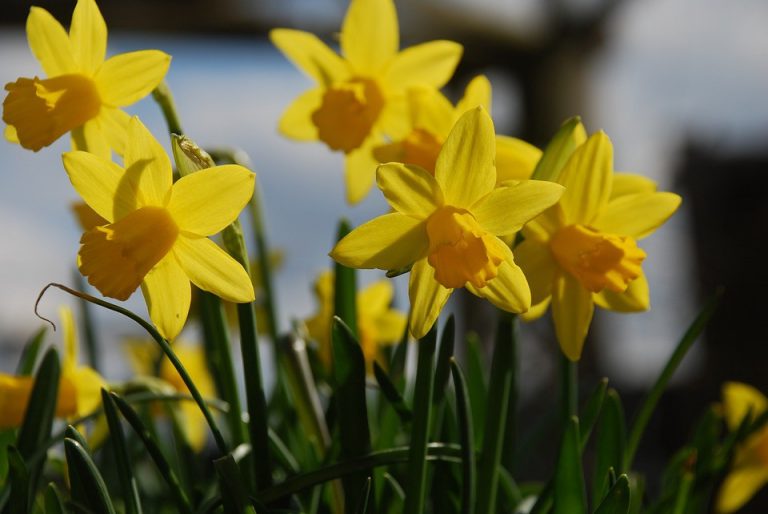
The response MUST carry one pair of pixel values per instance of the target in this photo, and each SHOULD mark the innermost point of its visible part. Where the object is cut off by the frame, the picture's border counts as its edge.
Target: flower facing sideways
(157, 235)
(447, 225)
(84, 92)
(584, 251)
(360, 97)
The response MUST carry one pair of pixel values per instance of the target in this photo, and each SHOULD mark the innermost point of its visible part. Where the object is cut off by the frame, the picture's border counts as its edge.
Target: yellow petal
(194, 425)
(536, 311)
(539, 267)
(428, 64)
(369, 34)
(427, 296)
(739, 487)
(391, 241)
(515, 159)
(14, 397)
(631, 183)
(376, 297)
(10, 134)
(86, 217)
(505, 210)
(49, 43)
(360, 171)
(69, 334)
(97, 181)
(114, 125)
(310, 55)
(88, 384)
(88, 35)
(296, 122)
(464, 168)
(572, 310)
(390, 326)
(148, 165)
(636, 298)
(509, 291)
(740, 399)
(569, 136)
(142, 355)
(167, 293)
(90, 138)
(205, 202)
(126, 78)
(409, 189)
(394, 119)
(546, 224)
(637, 215)
(431, 110)
(477, 92)
(211, 269)
(587, 177)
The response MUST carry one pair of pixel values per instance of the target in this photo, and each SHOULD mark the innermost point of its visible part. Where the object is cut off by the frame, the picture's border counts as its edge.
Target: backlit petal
(587, 177)
(114, 125)
(630, 184)
(539, 267)
(572, 310)
(212, 269)
(88, 35)
(515, 159)
(97, 181)
(310, 55)
(127, 78)
(637, 215)
(431, 110)
(205, 202)
(369, 34)
(296, 121)
(477, 92)
(509, 291)
(739, 486)
(428, 64)
(464, 168)
(391, 241)
(167, 294)
(147, 164)
(740, 399)
(409, 189)
(360, 170)
(427, 296)
(636, 298)
(49, 43)
(505, 210)
(90, 138)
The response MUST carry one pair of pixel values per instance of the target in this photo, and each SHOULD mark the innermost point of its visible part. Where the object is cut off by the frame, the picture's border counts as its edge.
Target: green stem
(86, 327)
(569, 384)
(265, 266)
(164, 98)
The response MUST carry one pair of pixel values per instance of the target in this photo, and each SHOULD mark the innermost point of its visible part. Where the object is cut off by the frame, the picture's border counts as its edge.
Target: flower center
(44, 110)
(421, 147)
(347, 113)
(117, 257)
(460, 250)
(599, 261)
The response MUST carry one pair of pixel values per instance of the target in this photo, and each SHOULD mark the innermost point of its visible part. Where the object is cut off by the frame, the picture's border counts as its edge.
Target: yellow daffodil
(584, 251)
(79, 387)
(360, 97)
(378, 325)
(143, 357)
(84, 92)
(447, 225)
(431, 119)
(157, 235)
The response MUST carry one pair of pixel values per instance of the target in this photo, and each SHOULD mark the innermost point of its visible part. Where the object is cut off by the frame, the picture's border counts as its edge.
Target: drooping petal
(126, 78)
(409, 189)
(505, 210)
(636, 298)
(296, 121)
(114, 125)
(360, 170)
(539, 267)
(205, 202)
(477, 92)
(147, 164)
(49, 43)
(370, 36)
(427, 296)
(310, 55)
(572, 310)
(97, 181)
(167, 293)
(637, 215)
(587, 177)
(429, 64)
(515, 159)
(740, 399)
(212, 269)
(509, 291)
(430, 110)
(464, 168)
(88, 35)
(391, 241)
(90, 138)
(630, 184)
(536, 311)
(739, 486)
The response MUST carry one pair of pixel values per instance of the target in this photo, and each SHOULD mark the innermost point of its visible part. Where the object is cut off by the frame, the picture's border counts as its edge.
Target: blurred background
(679, 86)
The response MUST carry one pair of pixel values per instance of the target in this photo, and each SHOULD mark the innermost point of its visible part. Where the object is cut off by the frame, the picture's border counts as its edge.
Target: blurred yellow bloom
(79, 388)
(447, 225)
(360, 95)
(157, 235)
(84, 92)
(584, 251)
(143, 356)
(377, 324)
(431, 119)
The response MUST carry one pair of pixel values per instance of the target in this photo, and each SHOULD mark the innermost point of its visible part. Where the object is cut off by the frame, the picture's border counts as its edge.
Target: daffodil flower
(431, 119)
(447, 225)
(84, 92)
(79, 388)
(584, 250)
(157, 235)
(360, 97)
(378, 325)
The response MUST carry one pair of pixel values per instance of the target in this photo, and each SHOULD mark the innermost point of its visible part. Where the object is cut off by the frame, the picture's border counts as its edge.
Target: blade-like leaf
(464, 415)
(618, 498)
(390, 392)
(570, 495)
(52, 501)
(87, 485)
(122, 459)
(234, 492)
(30, 353)
(345, 288)
(611, 434)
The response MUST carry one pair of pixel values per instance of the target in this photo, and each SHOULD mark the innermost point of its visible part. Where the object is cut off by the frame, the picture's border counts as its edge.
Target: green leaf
(464, 415)
(234, 493)
(53, 504)
(442, 373)
(362, 506)
(559, 150)
(390, 392)
(30, 353)
(591, 411)
(570, 496)
(21, 491)
(618, 498)
(87, 485)
(128, 484)
(478, 390)
(611, 441)
(345, 288)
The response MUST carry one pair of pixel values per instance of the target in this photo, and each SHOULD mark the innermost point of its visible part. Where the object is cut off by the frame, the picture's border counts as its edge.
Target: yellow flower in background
(143, 355)
(79, 388)
(749, 469)
(360, 95)
(447, 225)
(84, 92)
(584, 250)
(431, 119)
(157, 235)
(378, 325)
